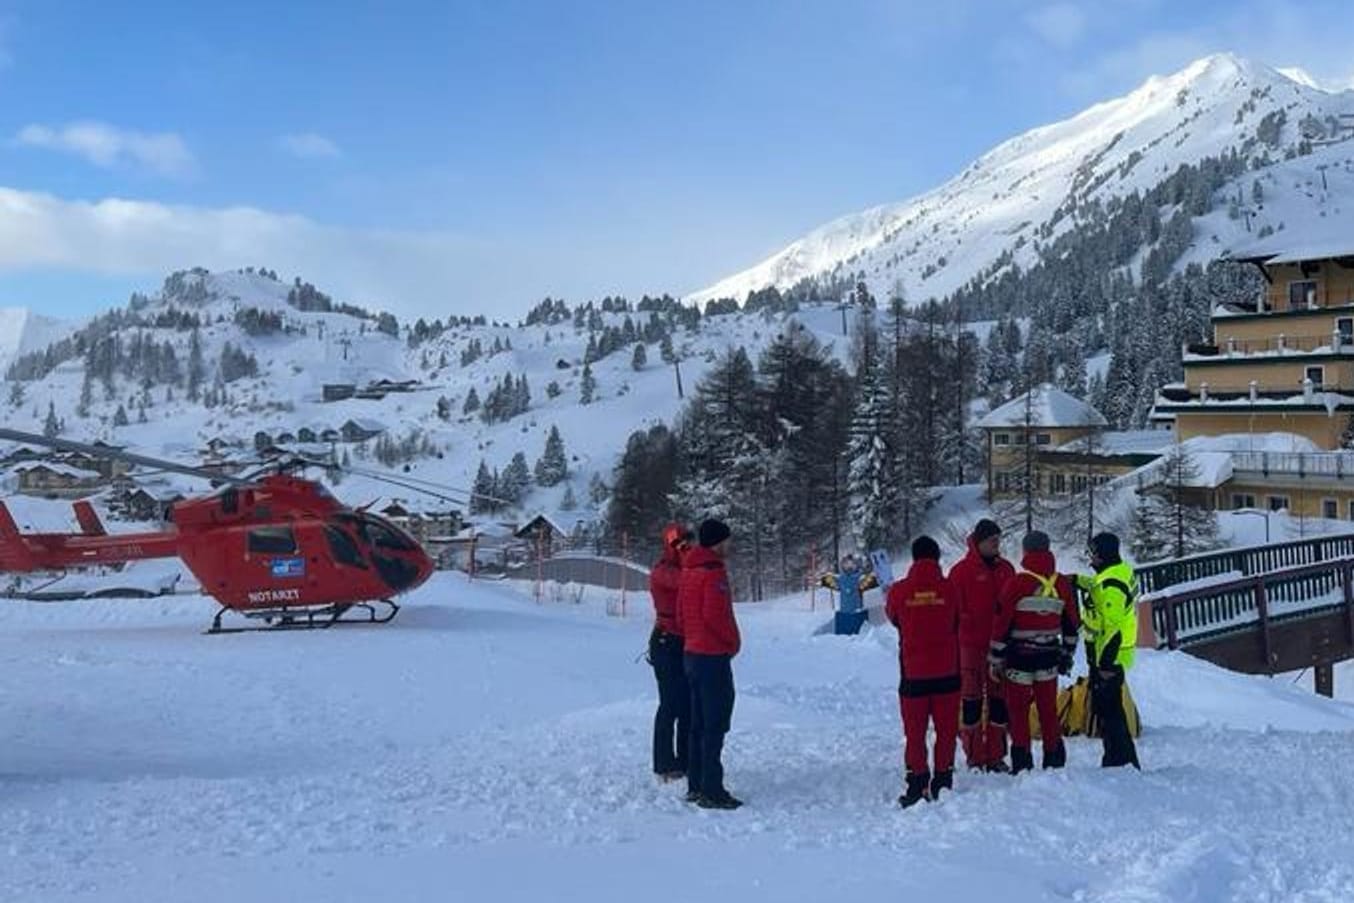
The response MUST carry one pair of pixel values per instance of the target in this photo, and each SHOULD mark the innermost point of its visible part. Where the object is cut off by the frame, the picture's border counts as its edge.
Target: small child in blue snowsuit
(850, 583)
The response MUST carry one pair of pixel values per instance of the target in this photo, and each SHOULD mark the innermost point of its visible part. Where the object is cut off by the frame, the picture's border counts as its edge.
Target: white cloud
(401, 271)
(105, 145)
(1061, 24)
(309, 146)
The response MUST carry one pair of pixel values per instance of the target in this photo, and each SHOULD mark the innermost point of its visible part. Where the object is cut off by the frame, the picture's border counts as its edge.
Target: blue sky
(453, 157)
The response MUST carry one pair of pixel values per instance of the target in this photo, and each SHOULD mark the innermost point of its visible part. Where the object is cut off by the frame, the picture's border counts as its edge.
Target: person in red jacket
(665, 655)
(977, 579)
(710, 635)
(1034, 636)
(924, 609)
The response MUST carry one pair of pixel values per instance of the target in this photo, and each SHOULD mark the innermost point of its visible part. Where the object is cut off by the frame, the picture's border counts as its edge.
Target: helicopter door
(276, 571)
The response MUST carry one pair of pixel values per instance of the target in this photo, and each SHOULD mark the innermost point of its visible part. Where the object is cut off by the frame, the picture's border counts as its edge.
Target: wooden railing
(1156, 576)
(1189, 617)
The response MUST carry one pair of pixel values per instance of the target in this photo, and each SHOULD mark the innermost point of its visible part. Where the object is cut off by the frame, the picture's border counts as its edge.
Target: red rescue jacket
(1035, 628)
(924, 609)
(705, 606)
(664, 579)
(977, 583)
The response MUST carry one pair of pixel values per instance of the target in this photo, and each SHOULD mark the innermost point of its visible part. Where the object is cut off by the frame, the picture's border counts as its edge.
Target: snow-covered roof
(65, 470)
(366, 424)
(1125, 442)
(1049, 407)
(550, 521)
(1286, 247)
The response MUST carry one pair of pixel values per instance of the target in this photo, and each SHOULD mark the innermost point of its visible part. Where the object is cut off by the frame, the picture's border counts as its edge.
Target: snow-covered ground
(484, 747)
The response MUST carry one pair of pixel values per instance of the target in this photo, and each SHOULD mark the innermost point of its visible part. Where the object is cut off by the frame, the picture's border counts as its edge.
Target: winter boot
(943, 780)
(998, 766)
(918, 786)
(1021, 760)
(724, 800)
(693, 796)
(1056, 757)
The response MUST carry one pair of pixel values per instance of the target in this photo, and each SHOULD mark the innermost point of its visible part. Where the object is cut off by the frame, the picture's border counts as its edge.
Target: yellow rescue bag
(1075, 716)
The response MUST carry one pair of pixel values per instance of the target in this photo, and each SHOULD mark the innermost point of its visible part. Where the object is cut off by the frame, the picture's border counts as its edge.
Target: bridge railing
(1187, 616)
(1158, 576)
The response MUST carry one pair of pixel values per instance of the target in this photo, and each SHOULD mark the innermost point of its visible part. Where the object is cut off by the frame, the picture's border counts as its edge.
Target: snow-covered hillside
(1019, 194)
(313, 349)
(483, 747)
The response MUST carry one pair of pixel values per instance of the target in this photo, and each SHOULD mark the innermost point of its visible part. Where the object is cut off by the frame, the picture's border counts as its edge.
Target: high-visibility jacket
(1109, 615)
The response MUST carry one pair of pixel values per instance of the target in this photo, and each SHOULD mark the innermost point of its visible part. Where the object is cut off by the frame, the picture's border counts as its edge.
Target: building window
(1042, 439)
(1351, 509)
(1078, 484)
(1243, 500)
(1316, 374)
(1330, 509)
(1302, 294)
(1345, 326)
(1277, 502)
(1001, 438)
(1057, 482)
(1003, 481)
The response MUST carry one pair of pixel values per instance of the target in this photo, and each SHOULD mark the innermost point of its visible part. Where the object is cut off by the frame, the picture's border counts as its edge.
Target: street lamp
(1254, 512)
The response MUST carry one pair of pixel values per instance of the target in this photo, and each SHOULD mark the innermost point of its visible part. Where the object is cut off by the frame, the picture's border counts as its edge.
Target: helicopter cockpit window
(342, 547)
(272, 541)
(387, 536)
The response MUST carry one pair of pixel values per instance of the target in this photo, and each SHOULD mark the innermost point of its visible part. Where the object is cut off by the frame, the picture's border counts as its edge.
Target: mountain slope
(1020, 194)
(22, 331)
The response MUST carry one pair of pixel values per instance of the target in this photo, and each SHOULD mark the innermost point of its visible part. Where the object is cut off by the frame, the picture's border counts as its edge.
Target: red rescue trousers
(984, 745)
(942, 710)
(1045, 696)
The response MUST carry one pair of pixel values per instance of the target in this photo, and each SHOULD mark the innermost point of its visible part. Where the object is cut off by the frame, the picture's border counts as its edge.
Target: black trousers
(1107, 705)
(712, 696)
(671, 721)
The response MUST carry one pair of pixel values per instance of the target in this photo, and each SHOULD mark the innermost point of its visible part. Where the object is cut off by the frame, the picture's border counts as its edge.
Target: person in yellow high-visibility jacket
(1109, 618)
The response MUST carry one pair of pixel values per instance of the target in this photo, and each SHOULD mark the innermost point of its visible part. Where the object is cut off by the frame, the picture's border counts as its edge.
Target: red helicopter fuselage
(279, 543)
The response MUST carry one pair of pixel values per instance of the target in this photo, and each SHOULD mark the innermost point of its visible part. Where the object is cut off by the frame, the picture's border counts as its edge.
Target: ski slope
(485, 747)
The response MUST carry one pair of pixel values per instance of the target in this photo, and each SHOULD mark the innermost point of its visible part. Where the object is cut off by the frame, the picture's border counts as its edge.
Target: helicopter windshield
(376, 533)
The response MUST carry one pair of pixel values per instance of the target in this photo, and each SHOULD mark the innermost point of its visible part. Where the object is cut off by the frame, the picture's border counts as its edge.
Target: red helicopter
(278, 548)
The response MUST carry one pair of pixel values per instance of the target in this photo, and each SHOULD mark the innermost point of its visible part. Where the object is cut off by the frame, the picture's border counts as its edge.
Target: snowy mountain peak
(1026, 191)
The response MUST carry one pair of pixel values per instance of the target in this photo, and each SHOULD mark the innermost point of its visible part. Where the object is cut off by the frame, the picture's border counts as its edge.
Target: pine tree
(588, 388)
(874, 494)
(196, 368)
(472, 402)
(515, 480)
(120, 416)
(16, 394)
(1192, 529)
(552, 467)
(484, 494)
(86, 394)
(552, 389)
(569, 502)
(51, 427)
(640, 358)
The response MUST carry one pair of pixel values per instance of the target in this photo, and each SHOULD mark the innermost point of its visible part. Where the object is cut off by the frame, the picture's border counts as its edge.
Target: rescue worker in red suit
(666, 657)
(977, 579)
(925, 610)
(711, 638)
(1034, 637)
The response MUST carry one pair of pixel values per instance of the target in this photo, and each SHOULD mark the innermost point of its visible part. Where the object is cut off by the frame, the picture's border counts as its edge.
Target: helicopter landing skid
(317, 618)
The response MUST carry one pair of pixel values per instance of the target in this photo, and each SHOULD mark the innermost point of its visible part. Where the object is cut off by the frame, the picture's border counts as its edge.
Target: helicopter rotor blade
(117, 454)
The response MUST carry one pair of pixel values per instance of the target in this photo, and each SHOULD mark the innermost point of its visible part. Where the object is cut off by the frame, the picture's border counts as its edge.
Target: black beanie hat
(713, 532)
(985, 529)
(925, 547)
(1035, 541)
(1106, 545)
